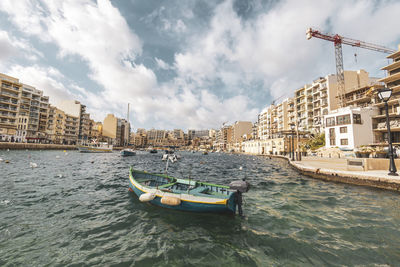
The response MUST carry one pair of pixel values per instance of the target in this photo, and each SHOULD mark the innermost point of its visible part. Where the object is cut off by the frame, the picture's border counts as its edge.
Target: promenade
(337, 170)
(35, 146)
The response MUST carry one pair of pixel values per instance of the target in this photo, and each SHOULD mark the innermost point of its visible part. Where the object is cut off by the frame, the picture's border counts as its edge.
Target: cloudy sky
(185, 63)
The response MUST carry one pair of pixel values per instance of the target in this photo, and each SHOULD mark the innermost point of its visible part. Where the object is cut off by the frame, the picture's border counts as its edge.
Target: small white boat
(95, 147)
(128, 152)
(171, 157)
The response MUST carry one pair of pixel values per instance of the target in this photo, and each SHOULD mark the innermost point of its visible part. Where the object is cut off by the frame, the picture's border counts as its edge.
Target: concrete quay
(35, 146)
(337, 170)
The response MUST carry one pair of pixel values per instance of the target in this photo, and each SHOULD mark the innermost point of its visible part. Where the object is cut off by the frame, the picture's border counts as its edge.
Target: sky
(186, 64)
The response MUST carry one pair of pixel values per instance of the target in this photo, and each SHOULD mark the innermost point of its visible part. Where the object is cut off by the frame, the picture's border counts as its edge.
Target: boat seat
(199, 189)
(166, 185)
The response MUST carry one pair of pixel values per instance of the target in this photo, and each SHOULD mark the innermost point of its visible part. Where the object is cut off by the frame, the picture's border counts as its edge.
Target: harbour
(76, 208)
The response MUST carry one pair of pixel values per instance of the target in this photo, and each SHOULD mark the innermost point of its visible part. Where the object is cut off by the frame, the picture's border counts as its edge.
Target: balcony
(9, 94)
(8, 121)
(7, 108)
(381, 126)
(8, 102)
(10, 88)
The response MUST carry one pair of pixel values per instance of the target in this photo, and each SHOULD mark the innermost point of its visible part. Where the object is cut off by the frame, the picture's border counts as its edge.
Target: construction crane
(338, 41)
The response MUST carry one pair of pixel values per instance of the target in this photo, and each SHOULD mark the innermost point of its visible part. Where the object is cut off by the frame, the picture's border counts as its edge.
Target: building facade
(349, 128)
(392, 81)
(9, 107)
(23, 111)
(62, 128)
(76, 109)
(116, 130)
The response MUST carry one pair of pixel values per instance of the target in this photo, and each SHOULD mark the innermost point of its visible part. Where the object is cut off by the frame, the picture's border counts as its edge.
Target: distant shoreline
(34, 146)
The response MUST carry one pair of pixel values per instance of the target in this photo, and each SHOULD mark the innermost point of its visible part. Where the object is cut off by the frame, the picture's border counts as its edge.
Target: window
(357, 118)
(344, 119)
(344, 142)
(343, 129)
(332, 140)
(330, 121)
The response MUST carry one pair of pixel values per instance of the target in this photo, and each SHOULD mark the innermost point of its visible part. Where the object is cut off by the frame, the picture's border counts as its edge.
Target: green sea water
(75, 209)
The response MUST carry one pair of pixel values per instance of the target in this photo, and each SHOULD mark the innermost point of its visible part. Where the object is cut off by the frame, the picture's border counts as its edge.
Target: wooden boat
(95, 148)
(187, 195)
(153, 151)
(127, 152)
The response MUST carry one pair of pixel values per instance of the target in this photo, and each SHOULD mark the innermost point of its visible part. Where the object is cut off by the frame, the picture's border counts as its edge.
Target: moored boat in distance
(186, 194)
(127, 152)
(95, 147)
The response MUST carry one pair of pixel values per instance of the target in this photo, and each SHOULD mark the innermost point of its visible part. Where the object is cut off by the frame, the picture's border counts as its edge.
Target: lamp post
(384, 95)
(292, 143)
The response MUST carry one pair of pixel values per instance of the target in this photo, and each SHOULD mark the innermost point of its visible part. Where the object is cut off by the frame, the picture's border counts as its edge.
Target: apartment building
(241, 130)
(76, 109)
(23, 111)
(276, 118)
(116, 130)
(314, 101)
(283, 122)
(156, 137)
(139, 139)
(9, 96)
(95, 130)
(349, 127)
(62, 128)
(32, 115)
(178, 134)
(266, 122)
(223, 138)
(392, 81)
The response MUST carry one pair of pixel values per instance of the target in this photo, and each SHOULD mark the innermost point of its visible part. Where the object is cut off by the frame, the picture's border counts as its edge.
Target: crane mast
(338, 41)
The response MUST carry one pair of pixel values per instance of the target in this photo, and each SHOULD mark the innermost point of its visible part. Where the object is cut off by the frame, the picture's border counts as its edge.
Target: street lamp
(292, 143)
(384, 95)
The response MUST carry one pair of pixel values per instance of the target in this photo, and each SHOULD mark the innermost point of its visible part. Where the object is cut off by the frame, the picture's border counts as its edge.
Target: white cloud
(162, 64)
(272, 47)
(12, 47)
(216, 69)
(6, 47)
(43, 78)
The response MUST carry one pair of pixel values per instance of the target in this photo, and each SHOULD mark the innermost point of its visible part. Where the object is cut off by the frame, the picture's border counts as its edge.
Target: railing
(10, 94)
(9, 87)
(8, 101)
(8, 108)
(9, 114)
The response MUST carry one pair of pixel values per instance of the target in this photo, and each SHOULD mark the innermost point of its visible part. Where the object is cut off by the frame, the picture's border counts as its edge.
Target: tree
(316, 142)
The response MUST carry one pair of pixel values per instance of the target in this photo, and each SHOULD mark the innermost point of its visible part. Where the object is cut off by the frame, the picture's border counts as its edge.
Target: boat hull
(187, 202)
(88, 149)
(125, 153)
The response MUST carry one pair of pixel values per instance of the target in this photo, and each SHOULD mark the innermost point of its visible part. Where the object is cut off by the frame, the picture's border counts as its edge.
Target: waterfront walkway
(335, 169)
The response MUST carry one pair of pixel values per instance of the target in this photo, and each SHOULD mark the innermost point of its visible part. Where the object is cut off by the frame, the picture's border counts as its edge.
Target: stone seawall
(363, 178)
(35, 146)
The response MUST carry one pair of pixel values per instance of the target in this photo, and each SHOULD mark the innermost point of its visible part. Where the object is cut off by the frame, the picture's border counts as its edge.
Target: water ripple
(75, 209)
